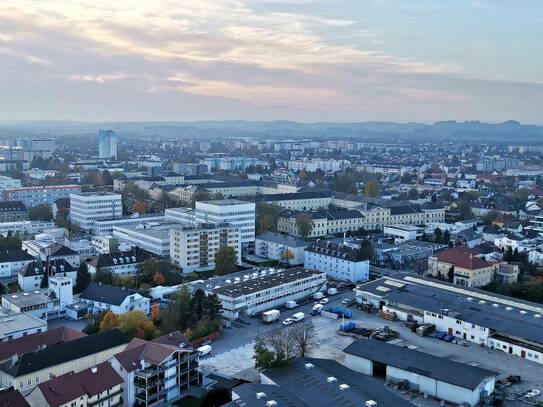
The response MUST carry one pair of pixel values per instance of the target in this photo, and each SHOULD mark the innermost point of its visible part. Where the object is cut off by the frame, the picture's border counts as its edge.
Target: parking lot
(233, 352)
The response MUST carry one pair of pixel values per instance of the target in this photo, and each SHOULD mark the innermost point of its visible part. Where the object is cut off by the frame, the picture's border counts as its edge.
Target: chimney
(94, 369)
(14, 359)
(142, 362)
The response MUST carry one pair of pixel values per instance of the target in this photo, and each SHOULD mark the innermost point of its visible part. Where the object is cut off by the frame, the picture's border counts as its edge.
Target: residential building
(103, 297)
(13, 261)
(498, 322)
(107, 144)
(282, 248)
(38, 195)
(12, 211)
(157, 372)
(98, 385)
(236, 213)
(49, 251)
(250, 293)
(233, 163)
(12, 397)
(31, 276)
(36, 341)
(105, 227)
(339, 261)
(462, 266)
(298, 201)
(153, 237)
(30, 369)
(193, 248)
(315, 165)
(87, 207)
(14, 325)
(119, 263)
(459, 383)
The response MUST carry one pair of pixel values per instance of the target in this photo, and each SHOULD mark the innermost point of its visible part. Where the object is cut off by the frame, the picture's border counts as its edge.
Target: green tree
(304, 223)
(266, 217)
(40, 212)
(83, 278)
(450, 274)
(137, 324)
(464, 210)
(225, 260)
(446, 237)
(45, 280)
(211, 307)
(197, 303)
(10, 242)
(372, 189)
(367, 249)
(104, 277)
(438, 235)
(263, 356)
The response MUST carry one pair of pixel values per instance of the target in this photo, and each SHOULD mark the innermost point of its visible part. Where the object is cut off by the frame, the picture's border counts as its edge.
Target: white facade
(194, 248)
(337, 267)
(274, 246)
(107, 144)
(30, 227)
(402, 233)
(17, 325)
(134, 302)
(85, 208)
(105, 227)
(314, 165)
(33, 196)
(7, 182)
(234, 212)
(153, 237)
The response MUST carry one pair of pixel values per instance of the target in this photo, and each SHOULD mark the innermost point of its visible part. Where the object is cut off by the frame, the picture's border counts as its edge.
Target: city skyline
(306, 60)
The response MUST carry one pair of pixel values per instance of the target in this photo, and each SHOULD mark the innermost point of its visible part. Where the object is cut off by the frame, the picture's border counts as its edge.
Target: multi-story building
(119, 263)
(314, 165)
(15, 325)
(31, 276)
(498, 322)
(107, 144)
(283, 248)
(34, 196)
(324, 222)
(25, 227)
(105, 226)
(233, 163)
(239, 214)
(27, 371)
(49, 251)
(13, 261)
(157, 372)
(7, 182)
(464, 266)
(103, 297)
(153, 237)
(251, 293)
(12, 211)
(298, 201)
(338, 260)
(193, 248)
(87, 207)
(98, 385)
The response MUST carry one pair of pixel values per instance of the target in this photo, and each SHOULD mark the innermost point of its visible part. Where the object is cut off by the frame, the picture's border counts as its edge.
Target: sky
(302, 60)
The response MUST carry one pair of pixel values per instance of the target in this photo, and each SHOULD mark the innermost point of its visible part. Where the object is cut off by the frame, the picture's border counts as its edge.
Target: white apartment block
(193, 248)
(7, 182)
(153, 237)
(239, 214)
(34, 196)
(283, 248)
(314, 165)
(25, 227)
(85, 208)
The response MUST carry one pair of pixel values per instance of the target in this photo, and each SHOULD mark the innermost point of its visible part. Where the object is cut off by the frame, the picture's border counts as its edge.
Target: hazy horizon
(333, 61)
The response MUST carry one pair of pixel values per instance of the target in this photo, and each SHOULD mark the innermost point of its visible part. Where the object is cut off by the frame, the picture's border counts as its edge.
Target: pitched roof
(8, 256)
(420, 363)
(152, 352)
(33, 342)
(12, 398)
(105, 293)
(464, 257)
(285, 240)
(37, 268)
(60, 250)
(70, 386)
(64, 352)
(9, 206)
(133, 256)
(336, 250)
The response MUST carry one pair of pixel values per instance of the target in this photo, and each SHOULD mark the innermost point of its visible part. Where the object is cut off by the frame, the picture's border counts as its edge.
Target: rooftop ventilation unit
(343, 386)
(371, 403)
(495, 305)
(309, 365)
(482, 302)
(271, 403)
(260, 395)
(522, 312)
(331, 379)
(508, 308)
(537, 315)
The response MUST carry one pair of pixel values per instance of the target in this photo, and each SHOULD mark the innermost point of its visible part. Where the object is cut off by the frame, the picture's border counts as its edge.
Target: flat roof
(28, 298)
(421, 363)
(225, 202)
(19, 321)
(504, 315)
(254, 283)
(407, 228)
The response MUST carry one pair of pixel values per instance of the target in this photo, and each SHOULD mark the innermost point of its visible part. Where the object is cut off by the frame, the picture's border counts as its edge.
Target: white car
(532, 393)
(288, 321)
(324, 301)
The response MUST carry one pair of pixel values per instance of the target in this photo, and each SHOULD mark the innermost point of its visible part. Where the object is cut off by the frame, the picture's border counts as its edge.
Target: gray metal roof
(421, 363)
(285, 240)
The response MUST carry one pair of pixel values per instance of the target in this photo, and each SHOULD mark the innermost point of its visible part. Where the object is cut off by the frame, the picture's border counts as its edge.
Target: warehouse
(504, 323)
(434, 376)
(259, 291)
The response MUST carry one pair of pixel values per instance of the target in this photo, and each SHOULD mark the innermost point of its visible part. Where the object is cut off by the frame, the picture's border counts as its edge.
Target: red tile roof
(36, 341)
(70, 386)
(463, 257)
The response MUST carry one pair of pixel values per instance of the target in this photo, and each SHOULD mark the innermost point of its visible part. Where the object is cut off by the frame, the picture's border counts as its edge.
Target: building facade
(107, 144)
(85, 208)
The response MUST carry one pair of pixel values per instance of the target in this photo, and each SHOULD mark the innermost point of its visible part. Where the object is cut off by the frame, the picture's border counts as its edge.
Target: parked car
(532, 393)
(324, 301)
(288, 321)
(347, 302)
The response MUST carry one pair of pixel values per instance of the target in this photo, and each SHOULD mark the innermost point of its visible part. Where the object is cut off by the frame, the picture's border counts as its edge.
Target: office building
(153, 237)
(251, 293)
(38, 195)
(193, 248)
(25, 227)
(338, 260)
(236, 213)
(107, 144)
(12, 211)
(87, 207)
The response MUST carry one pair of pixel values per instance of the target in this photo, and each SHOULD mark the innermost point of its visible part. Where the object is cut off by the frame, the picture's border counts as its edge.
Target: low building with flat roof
(15, 325)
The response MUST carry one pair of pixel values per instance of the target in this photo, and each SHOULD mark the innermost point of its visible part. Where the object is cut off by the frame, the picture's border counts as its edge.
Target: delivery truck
(204, 350)
(270, 316)
(291, 304)
(317, 309)
(299, 316)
